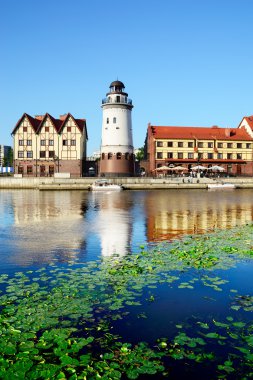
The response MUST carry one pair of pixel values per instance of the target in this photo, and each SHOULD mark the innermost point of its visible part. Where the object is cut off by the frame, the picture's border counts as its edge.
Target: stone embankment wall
(131, 183)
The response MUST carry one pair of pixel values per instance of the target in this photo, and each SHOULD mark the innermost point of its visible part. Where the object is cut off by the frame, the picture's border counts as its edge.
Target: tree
(140, 154)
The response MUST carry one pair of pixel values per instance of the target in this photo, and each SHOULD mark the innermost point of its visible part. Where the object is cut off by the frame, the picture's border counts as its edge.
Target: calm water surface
(49, 227)
(39, 228)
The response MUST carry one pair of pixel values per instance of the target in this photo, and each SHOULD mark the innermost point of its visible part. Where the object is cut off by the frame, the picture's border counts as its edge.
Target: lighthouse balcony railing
(119, 101)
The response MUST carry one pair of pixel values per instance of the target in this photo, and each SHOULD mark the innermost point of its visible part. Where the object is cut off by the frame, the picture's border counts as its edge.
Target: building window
(110, 156)
(239, 145)
(127, 156)
(103, 156)
(46, 129)
(220, 156)
(180, 144)
(20, 154)
(20, 170)
(65, 142)
(200, 144)
(42, 154)
(190, 155)
(20, 142)
(210, 145)
(159, 155)
(170, 144)
(169, 155)
(190, 144)
(210, 155)
(51, 154)
(29, 169)
(180, 155)
(42, 142)
(248, 145)
(114, 120)
(51, 170)
(42, 170)
(73, 142)
(230, 145)
(239, 156)
(29, 154)
(220, 145)
(24, 129)
(159, 143)
(118, 156)
(29, 142)
(229, 156)
(51, 142)
(68, 129)
(107, 120)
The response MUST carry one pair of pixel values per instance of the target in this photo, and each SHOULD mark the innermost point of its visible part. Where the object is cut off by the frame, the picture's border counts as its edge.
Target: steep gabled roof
(33, 121)
(199, 133)
(37, 122)
(56, 122)
(249, 120)
(80, 123)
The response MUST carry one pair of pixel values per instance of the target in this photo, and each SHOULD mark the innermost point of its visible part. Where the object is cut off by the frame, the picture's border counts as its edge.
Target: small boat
(220, 185)
(104, 185)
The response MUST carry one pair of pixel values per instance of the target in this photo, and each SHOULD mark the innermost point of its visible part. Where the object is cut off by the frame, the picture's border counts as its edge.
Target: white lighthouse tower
(117, 152)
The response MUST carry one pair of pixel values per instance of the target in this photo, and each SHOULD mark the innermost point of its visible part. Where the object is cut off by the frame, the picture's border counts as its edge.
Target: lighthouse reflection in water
(46, 227)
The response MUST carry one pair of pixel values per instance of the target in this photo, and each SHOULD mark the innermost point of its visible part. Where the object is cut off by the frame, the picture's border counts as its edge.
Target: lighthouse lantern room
(117, 152)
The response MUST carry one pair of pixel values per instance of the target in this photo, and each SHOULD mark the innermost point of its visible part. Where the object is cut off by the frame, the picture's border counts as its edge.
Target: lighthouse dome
(117, 83)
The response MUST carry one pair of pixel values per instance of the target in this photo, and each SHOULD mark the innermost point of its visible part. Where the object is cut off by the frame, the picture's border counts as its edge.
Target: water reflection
(175, 213)
(44, 227)
(113, 224)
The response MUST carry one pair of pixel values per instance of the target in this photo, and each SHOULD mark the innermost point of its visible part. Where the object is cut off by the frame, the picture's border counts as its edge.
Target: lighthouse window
(107, 120)
(118, 156)
(114, 120)
(103, 156)
(109, 156)
(127, 156)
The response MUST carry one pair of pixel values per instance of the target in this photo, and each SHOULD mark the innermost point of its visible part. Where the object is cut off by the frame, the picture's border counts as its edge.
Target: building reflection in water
(113, 224)
(40, 227)
(47, 226)
(174, 213)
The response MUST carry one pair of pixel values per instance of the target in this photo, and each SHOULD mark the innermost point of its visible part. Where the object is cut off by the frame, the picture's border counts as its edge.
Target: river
(44, 227)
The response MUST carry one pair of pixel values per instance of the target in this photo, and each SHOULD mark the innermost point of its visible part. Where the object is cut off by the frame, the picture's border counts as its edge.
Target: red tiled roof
(199, 133)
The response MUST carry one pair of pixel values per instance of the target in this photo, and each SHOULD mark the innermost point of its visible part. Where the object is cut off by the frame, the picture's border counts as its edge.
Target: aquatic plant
(57, 322)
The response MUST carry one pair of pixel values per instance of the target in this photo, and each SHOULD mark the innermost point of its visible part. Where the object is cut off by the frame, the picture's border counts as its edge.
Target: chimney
(39, 117)
(227, 132)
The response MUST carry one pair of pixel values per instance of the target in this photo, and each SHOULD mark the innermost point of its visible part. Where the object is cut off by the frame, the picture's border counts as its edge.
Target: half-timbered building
(44, 145)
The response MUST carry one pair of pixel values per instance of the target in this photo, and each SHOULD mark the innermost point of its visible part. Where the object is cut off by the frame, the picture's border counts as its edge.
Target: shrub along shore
(63, 322)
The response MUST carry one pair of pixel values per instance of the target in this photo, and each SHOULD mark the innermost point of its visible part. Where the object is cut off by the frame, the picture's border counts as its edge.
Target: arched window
(103, 156)
(118, 156)
(114, 120)
(109, 156)
(127, 156)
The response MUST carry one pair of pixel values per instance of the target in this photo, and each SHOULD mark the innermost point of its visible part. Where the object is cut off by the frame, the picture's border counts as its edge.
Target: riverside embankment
(130, 183)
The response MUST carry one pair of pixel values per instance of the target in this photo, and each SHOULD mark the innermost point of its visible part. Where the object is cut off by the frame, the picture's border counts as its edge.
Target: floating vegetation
(59, 322)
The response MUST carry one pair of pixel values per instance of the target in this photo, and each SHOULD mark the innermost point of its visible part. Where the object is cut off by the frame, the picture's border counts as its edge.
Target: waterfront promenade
(133, 183)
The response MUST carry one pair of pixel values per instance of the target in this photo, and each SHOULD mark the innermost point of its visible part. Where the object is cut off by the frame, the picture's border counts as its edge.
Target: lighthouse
(117, 152)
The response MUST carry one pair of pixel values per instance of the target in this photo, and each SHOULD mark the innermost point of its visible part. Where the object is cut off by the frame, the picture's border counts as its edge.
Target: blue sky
(183, 62)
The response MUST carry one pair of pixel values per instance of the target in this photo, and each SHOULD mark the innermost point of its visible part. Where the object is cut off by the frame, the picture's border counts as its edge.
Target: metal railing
(113, 101)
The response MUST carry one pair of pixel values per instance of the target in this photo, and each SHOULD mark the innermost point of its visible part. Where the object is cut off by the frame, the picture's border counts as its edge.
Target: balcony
(117, 101)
